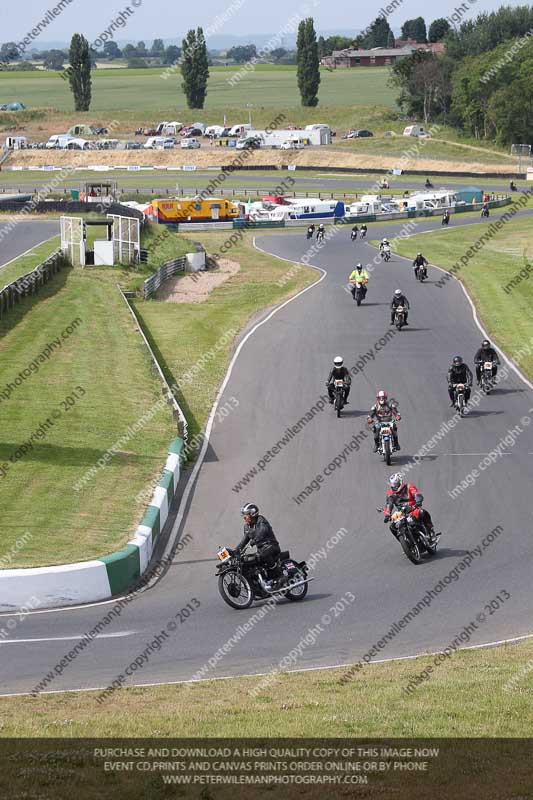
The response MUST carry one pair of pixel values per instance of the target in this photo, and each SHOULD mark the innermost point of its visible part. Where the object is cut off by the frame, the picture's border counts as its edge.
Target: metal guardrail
(165, 271)
(30, 283)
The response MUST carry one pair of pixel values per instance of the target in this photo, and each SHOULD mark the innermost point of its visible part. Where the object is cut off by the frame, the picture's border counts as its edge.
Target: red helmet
(382, 397)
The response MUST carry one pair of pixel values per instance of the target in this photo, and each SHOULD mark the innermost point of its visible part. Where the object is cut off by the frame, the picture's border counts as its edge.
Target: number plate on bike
(223, 554)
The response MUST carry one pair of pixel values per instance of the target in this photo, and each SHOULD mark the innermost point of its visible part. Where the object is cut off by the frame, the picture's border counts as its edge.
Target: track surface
(278, 376)
(25, 236)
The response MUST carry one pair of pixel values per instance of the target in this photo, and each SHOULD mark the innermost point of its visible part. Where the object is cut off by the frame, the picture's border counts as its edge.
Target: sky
(149, 19)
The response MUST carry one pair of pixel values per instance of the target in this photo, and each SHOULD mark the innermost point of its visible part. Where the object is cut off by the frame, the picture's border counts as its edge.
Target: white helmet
(338, 361)
(398, 292)
(396, 481)
(385, 241)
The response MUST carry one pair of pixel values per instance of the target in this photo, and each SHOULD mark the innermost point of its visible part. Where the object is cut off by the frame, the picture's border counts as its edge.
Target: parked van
(239, 130)
(58, 140)
(190, 144)
(214, 130)
(414, 130)
(248, 143)
(155, 143)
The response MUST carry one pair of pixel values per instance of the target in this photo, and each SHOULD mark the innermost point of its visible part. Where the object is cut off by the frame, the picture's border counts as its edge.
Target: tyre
(235, 590)
(358, 299)
(461, 405)
(411, 550)
(300, 591)
(387, 452)
(399, 324)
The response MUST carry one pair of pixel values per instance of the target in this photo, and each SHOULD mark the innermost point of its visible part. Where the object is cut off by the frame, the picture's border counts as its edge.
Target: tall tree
(54, 59)
(195, 68)
(438, 29)
(79, 72)
(158, 48)
(308, 64)
(391, 41)
(378, 34)
(420, 33)
(172, 54)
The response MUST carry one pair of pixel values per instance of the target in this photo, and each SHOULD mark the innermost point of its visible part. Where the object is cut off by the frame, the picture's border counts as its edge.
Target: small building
(377, 57)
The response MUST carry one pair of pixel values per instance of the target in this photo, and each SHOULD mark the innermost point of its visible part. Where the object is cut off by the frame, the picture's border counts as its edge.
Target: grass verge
(478, 693)
(26, 263)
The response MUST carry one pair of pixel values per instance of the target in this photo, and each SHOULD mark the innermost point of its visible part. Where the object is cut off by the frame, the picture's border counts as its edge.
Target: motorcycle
(429, 185)
(486, 377)
(422, 273)
(339, 392)
(485, 213)
(320, 236)
(386, 441)
(309, 234)
(353, 236)
(412, 533)
(241, 579)
(386, 254)
(360, 293)
(399, 317)
(459, 390)
(363, 233)
(446, 220)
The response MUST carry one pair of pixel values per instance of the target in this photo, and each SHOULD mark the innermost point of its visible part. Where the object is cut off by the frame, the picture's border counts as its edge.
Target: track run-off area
(277, 376)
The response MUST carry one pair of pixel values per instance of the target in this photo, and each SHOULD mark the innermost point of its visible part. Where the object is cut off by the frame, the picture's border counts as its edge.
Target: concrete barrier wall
(99, 579)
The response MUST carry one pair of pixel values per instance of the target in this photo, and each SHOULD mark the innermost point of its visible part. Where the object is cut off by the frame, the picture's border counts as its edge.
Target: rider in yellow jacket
(359, 277)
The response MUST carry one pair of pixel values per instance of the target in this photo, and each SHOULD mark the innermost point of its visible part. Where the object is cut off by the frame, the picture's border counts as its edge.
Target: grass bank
(478, 693)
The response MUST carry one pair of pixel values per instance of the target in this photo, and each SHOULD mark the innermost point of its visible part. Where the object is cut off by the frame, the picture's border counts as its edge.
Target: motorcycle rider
(310, 231)
(383, 244)
(485, 210)
(459, 372)
(355, 232)
(446, 217)
(258, 532)
(364, 231)
(486, 353)
(399, 299)
(512, 186)
(359, 276)
(321, 231)
(384, 410)
(419, 261)
(428, 184)
(400, 494)
(339, 372)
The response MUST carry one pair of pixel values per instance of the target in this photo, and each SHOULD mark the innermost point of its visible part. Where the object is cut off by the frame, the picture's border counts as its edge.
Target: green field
(505, 315)
(106, 358)
(150, 94)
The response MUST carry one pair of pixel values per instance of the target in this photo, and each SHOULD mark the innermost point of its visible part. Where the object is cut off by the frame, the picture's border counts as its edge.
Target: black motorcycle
(487, 380)
(412, 534)
(363, 233)
(359, 293)
(339, 394)
(459, 398)
(446, 219)
(241, 579)
(485, 213)
(309, 233)
(422, 273)
(353, 236)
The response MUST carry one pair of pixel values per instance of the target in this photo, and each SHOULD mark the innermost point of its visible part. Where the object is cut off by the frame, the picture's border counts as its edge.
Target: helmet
(485, 344)
(359, 266)
(398, 293)
(385, 241)
(395, 481)
(457, 361)
(250, 508)
(338, 361)
(382, 397)
(419, 254)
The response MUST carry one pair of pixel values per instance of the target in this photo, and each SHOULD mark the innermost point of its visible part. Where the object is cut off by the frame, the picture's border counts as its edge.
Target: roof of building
(377, 51)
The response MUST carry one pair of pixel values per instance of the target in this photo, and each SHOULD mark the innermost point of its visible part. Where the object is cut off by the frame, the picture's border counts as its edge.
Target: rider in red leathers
(401, 493)
(384, 410)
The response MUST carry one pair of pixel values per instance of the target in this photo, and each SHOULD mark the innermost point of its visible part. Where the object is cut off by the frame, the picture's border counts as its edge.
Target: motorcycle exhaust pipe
(288, 588)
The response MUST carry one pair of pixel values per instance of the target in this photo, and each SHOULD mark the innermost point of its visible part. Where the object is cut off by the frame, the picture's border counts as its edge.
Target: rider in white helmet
(339, 372)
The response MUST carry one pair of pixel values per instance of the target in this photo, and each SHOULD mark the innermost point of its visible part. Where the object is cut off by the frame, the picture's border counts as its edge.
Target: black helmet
(485, 344)
(250, 508)
(359, 266)
(457, 361)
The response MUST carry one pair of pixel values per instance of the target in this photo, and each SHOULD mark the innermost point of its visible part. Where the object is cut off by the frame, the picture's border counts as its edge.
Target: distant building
(379, 56)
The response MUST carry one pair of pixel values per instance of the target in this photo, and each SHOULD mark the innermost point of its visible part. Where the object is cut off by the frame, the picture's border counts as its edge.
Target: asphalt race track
(278, 376)
(26, 235)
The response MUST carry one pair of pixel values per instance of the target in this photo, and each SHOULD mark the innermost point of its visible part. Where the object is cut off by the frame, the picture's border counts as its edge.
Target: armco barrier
(98, 579)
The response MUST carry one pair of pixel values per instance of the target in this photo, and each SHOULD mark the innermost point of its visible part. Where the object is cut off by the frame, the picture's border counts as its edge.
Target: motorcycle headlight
(410, 519)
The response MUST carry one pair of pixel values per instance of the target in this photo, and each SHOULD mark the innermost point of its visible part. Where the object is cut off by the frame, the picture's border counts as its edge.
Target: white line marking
(513, 640)
(118, 635)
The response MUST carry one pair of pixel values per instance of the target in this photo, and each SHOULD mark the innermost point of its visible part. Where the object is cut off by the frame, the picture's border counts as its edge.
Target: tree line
(482, 84)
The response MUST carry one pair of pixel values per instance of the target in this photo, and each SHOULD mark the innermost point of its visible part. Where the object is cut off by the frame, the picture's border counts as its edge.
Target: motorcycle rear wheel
(235, 590)
(300, 592)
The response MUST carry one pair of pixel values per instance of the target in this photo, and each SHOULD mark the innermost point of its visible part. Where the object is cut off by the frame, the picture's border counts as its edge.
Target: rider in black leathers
(399, 299)
(486, 353)
(459, 372)
(339, 372)
(419, 261)
(258, 531)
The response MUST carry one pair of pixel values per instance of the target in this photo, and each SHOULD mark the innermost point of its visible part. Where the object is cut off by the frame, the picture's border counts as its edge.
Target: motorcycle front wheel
(235, 590)
(387, 453)
(411, 550)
